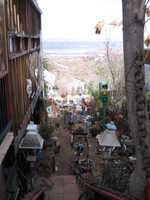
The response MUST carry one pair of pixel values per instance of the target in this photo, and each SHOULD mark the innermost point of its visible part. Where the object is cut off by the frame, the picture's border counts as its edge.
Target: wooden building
(20, 68)
(20, 64)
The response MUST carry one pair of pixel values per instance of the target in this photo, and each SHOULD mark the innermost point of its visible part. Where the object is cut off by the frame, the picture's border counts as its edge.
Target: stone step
(65, 188)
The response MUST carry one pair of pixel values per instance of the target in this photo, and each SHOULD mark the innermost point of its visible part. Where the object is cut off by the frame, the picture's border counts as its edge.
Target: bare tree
(133, 29)
(111, 69)
(114, 63)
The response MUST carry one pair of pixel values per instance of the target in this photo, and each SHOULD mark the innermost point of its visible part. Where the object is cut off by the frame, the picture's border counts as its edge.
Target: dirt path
(65, 157)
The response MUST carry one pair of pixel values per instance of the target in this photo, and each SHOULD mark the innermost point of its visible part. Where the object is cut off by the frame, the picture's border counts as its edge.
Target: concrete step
(65, 188)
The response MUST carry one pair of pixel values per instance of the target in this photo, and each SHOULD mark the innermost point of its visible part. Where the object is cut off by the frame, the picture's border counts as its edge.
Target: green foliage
(148, 100)
(90, 88)
(113, 178)
(101, 71)
(48, 66)
(95, 94)
(85, 89)
(46, 90)
(117, 104)
(73, 92)
(46, 131)
(78, 91)
(97, 101)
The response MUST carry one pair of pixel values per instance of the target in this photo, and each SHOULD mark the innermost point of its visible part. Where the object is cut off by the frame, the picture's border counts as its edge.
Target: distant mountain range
(78, 48)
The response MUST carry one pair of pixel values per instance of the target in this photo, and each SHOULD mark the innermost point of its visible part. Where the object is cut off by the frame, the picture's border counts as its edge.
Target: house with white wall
(50, 81)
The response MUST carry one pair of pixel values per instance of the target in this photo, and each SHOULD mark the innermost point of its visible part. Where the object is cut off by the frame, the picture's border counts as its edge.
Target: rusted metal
(112, 195)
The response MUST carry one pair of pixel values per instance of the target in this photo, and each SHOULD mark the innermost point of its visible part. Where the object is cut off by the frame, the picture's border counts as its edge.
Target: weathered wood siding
(4, 100)
(3, 49)
(23, 27)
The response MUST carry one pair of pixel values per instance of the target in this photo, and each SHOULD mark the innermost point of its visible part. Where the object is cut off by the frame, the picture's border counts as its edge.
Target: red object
(148, 189)
(102, 162)
(105, 86)
(53, 108)
(117, 117)
(63, 95)
(118, 134)
(105, 93)
(106, 193)
(89, 104)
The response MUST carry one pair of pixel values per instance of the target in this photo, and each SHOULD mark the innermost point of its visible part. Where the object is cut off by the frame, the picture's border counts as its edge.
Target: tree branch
(147, 20)
(109, 62)
(146, 2)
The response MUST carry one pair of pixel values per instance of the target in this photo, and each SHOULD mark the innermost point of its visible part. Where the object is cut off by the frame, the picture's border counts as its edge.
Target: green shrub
(46, 131)
(148, 102)
(95, 94)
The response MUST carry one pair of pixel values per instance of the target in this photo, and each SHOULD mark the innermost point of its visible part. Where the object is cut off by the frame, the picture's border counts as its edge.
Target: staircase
(65, 188)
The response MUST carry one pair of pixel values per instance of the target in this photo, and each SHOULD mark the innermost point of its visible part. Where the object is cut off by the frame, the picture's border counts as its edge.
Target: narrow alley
(74, 100)
(72, 158)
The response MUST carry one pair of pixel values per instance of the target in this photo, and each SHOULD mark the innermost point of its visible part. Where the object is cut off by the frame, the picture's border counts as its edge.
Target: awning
(5, 145)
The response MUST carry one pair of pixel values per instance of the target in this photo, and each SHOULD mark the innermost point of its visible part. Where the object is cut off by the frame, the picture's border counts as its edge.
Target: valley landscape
(81, 64)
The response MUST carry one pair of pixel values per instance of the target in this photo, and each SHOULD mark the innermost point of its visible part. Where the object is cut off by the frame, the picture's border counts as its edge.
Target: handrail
(107, 192)
(38, 195)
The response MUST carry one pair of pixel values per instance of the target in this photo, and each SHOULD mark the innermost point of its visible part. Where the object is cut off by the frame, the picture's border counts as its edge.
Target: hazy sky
(76, 19)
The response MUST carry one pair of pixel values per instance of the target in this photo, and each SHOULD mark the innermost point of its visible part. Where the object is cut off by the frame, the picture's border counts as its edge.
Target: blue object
(80, 148)
(83, 100)
(74, 117)
(83, 113)
(67, 119)
(41, 154)
(88, 124)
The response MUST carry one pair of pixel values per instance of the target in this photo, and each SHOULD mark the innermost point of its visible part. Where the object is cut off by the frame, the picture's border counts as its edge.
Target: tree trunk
(133, 29)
